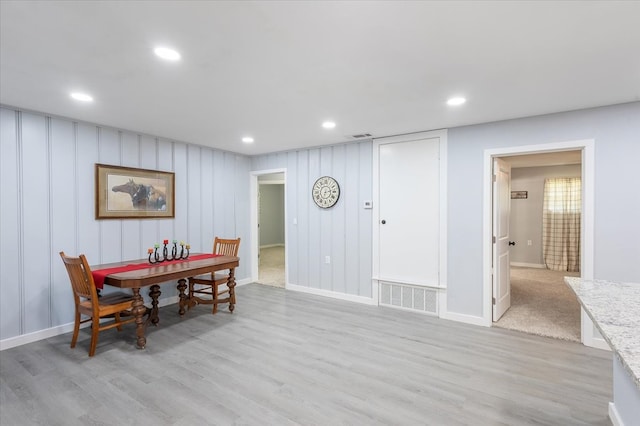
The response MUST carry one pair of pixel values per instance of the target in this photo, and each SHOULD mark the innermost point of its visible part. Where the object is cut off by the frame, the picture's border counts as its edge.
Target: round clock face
(326, 192)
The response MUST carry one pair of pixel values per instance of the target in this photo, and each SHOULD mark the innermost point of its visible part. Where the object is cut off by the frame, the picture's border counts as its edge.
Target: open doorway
(541, 303)
(588, 333)
(269, 265)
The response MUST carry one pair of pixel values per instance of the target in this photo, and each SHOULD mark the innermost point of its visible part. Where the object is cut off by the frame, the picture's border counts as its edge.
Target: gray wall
(342, 232)
(616, 131)
(47, 192)
(271, 214)
(526, 214)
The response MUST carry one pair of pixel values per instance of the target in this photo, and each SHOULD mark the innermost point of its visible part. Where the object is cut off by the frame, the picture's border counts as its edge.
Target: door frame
(255, 250)
(587, 146)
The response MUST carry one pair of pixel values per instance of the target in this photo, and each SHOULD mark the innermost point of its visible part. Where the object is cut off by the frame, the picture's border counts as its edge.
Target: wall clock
(325, 192)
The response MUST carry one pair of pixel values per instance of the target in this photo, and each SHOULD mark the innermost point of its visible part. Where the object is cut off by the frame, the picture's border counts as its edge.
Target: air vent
(408, 297)
(361, 136)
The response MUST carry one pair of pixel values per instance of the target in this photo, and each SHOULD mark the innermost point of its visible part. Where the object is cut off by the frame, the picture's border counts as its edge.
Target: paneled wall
(342, 232)
(47, 198)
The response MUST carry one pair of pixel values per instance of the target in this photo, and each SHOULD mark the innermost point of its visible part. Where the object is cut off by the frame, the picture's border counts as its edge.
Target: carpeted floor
(271, 267)
(542, 304)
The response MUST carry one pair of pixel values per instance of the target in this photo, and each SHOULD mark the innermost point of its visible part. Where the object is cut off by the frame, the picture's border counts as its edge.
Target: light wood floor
(291, 358)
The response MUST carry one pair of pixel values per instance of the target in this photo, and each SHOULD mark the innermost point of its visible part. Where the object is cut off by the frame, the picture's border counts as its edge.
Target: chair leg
(214, 290)
(76, 329)
(95, 329)
(119, 327)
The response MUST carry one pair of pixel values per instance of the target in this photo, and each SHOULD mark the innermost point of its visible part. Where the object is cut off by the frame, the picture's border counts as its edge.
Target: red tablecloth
(100, 274)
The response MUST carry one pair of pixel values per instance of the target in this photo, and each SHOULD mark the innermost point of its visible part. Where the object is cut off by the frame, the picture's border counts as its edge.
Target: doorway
(268, 216)
(541, 303)
(589, 335)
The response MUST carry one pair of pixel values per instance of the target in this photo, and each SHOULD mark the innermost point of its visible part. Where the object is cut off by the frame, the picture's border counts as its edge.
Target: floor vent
(413, 298)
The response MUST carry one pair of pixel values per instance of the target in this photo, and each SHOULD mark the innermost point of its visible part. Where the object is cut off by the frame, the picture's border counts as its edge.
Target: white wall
(616, 131)
(526, 214)
(342, 232)
(47, 190)
(271, 214)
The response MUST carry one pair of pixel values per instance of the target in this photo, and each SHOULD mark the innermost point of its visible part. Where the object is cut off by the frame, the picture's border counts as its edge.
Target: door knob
(512, 243)
(383, 221)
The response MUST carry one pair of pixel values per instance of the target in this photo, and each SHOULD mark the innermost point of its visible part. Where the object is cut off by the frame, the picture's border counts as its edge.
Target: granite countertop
(614, 308)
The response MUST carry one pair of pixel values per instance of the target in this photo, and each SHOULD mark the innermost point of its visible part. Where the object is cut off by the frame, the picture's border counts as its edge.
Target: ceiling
(557, 158)
(276, 70)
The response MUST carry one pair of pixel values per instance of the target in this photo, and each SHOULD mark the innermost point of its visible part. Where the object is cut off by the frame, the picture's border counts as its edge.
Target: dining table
(137, 274)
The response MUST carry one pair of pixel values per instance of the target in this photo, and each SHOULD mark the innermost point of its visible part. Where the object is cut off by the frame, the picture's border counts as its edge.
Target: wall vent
(361, 136)
(409, 297)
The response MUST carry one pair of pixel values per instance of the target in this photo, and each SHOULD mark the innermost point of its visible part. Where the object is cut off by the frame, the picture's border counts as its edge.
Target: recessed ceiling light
(456, 101)
(328, 124)
(247, 139)
(166, 53)
(81, 97)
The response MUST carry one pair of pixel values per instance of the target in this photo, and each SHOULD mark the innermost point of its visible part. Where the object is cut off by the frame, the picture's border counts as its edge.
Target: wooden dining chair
(89, 304)
(211, 287)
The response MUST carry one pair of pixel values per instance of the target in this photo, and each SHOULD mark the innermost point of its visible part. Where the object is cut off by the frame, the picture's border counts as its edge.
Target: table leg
(231, 283)
(182, 285)
(155, 293)
(139, 310)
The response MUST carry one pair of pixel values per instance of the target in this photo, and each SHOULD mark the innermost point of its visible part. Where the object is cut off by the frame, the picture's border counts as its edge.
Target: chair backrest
(226, 247)
(80, 277)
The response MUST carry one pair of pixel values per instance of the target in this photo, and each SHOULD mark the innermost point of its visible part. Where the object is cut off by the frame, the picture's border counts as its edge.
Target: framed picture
(127, 193)
(519, 195)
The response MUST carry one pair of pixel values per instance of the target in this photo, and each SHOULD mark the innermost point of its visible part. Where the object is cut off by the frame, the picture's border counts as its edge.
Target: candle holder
(163, 255)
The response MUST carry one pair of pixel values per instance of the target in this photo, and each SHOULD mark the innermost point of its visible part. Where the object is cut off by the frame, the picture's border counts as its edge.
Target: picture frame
(131, 193)
(519, 195)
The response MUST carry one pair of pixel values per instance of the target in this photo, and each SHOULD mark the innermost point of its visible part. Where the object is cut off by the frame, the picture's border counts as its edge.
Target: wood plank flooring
(287, 358)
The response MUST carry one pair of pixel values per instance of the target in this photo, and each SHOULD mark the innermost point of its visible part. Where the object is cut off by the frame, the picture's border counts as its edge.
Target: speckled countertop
(615, 310)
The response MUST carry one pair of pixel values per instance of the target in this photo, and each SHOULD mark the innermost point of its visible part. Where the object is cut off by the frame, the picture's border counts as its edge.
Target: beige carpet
(271, 267)
(542, 304)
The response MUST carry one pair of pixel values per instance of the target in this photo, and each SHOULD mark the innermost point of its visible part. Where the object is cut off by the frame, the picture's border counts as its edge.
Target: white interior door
(409, 212)
(501, 258)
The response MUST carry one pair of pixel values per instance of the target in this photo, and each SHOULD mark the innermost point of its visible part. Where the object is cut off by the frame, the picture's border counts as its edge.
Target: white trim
(331, 294)
(46, 333)
(253, 194)
(464, 318)
(588, 179)
(614, 416)
(587, 332)
(529, 265)
(271, 245)
(442, 165)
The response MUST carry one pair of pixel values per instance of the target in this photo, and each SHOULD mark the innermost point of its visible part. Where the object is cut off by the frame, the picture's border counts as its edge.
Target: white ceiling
(558, 158)
(276, 70)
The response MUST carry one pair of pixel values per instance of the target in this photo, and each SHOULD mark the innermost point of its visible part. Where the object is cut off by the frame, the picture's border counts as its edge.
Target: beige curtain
(561, 224)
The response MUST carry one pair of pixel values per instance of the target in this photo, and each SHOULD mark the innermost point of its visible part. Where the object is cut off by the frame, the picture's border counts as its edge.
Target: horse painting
(143, 197)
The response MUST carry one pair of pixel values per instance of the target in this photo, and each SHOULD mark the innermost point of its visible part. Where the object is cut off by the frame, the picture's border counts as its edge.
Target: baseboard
(464, 318)
(244, 282)
(614, 416)
(332, 294)
(24, 339)
(528, 265)
(272, 245)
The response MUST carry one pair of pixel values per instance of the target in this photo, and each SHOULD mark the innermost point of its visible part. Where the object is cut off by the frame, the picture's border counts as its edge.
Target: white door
(409, 212)
(501, 258)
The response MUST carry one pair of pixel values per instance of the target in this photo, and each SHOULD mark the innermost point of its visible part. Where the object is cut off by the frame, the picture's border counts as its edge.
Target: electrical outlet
(529, 242)
(327, 259)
